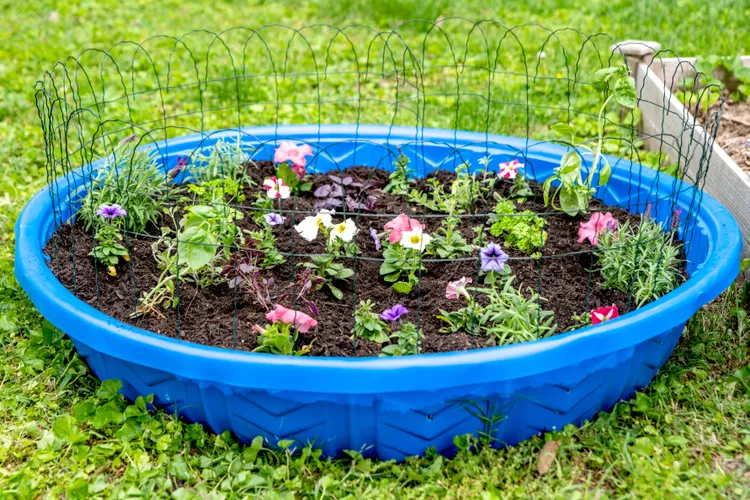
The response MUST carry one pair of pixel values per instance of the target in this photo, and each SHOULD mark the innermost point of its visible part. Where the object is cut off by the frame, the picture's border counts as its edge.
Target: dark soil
(219, 316)
(734, 133)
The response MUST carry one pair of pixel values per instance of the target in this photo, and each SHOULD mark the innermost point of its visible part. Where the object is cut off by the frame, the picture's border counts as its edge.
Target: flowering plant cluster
(109, 249)
(407, 240)
(293, 255)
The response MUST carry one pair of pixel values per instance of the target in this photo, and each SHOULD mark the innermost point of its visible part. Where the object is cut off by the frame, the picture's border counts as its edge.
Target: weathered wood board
(667, 126)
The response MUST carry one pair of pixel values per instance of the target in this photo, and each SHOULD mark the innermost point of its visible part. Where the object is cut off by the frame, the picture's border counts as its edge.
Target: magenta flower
(598, 224)
(375, 238)
(111, 211)
(493, 258)
(394, 313)
(509, 169)
(603, 314)
(299, 171)
(289, 151)
(274, 219)
(456, 288)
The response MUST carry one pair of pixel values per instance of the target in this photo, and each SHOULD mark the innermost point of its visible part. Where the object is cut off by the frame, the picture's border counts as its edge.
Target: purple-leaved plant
(345, 190)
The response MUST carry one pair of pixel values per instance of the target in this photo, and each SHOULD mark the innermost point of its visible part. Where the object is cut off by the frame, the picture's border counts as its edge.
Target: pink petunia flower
(399, 225)
(597, 224)
(456, 288)
(289, 151)
(277, 188)
(302, 321)
(509, 169)
(299, 170)
(603, 314)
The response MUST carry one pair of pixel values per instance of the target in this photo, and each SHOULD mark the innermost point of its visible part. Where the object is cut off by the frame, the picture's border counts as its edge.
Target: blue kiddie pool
(391, 408)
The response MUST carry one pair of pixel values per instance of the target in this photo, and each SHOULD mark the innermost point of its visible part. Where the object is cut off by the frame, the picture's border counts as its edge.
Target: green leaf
(344, 273)
(50, 333)
(571, 201)
(83, 411)
(570, 162)
(204, 211)
(335, 291)
(602, 76)
(178, 468)
(110, 413)
(6, 324)
(285, 443)
(605, 172)
(401, 287)
(197, 246)
(66, 431)
(565, 131)
(109, 389)
(285, 172)
(625, 91)
(130, 430)
(78, 489)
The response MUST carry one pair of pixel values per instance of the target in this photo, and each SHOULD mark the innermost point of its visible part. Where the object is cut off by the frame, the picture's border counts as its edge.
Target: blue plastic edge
(429, 372)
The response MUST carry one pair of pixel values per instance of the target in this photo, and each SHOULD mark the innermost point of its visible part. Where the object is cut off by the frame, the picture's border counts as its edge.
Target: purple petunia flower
(493, 258)
(274, 219)
(394, 313)
(375, 239)
(111, 211)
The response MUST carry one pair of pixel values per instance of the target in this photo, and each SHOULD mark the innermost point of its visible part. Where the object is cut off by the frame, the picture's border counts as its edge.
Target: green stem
(599, 141)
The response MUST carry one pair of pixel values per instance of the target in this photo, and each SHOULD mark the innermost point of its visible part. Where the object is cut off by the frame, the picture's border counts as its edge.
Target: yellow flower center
(340, 228)
(414, 238)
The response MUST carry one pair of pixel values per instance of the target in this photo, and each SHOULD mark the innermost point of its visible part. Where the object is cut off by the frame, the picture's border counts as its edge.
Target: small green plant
(408, 339)
(522, 230)
(109, 250)
(447, 241)
(520, 191)
(329, 272)
(217, 191)
(279, 338)
(162, 295)
(579, 321)
(401, 266)
(508, 318)
(368, 325)
(129, 177)
(468, 191)
(205, 229)
(572, 194)
(263, 241)
(401, 178)
(643, 262)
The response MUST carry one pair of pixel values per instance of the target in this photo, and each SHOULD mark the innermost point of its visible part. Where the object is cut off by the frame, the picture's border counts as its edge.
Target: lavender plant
(130, 177)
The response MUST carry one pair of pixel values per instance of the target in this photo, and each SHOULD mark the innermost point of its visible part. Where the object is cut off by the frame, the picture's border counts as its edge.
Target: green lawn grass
(62, 433)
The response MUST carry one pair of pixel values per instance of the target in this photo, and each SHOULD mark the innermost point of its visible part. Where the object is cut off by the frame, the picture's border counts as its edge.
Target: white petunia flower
(415, 239)
(310, 226)
(277, 188)
(344, 231)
